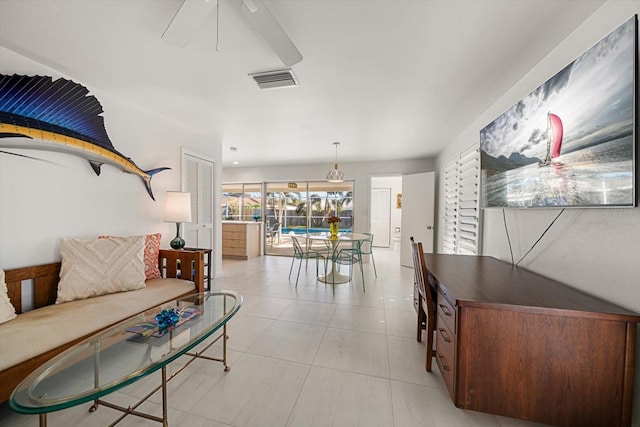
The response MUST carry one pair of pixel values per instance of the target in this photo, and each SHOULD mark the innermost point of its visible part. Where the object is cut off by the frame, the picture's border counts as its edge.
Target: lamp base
(177, 242)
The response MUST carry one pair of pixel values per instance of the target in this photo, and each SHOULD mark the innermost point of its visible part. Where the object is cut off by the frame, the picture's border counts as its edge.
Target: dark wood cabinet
(511, 342)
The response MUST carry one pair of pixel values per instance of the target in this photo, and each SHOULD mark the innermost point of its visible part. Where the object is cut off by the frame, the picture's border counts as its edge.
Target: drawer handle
(445, 367)
(444, 335)
(445, 310)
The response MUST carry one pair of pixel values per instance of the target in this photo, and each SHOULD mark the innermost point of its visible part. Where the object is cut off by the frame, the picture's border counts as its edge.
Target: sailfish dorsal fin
(62, 106)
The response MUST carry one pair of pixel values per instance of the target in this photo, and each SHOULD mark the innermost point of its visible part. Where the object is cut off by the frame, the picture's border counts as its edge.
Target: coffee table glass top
(123, 353)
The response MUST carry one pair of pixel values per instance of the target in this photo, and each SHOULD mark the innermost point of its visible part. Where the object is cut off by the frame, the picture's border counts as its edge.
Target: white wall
(361, 173)
(591, 249)
(595, 250)
(42, 202)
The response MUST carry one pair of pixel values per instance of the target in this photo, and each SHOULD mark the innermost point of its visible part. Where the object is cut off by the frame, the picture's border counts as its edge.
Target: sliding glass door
(302, 207)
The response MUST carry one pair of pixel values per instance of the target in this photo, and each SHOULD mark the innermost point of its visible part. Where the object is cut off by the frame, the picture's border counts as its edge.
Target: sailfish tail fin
(147, 181)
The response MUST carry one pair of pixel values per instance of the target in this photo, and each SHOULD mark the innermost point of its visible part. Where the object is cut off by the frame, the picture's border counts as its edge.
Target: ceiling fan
(193, 13)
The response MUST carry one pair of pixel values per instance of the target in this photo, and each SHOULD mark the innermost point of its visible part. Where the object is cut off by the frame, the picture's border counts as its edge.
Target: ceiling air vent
(274, 79)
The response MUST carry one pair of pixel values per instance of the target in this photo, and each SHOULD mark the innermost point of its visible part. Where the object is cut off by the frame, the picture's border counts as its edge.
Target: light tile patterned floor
(303, 358)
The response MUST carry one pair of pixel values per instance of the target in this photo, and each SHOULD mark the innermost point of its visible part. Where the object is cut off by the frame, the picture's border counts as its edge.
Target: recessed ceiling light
(236, 163)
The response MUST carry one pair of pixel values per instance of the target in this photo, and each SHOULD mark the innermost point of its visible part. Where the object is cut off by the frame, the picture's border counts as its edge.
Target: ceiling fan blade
(187, 21)
(268, 27)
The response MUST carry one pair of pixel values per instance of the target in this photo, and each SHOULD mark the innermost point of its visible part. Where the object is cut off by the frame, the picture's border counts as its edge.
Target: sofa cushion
(151, 253)
(7, 311)
(100, 266)
(38, 331)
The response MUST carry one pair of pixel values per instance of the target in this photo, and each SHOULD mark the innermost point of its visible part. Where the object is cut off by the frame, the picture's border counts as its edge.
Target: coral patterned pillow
(151, 254)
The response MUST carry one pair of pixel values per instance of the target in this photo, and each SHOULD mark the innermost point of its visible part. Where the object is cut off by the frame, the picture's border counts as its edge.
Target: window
(241, 202)
(461, 203)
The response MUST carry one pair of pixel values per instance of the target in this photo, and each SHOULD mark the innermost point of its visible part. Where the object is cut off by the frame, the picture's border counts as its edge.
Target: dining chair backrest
(297, 248)
(421, 274)
(366, 246)
(427, 298)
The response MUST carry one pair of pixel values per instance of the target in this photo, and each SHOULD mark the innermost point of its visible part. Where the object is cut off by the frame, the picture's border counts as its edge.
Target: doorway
(386, 211)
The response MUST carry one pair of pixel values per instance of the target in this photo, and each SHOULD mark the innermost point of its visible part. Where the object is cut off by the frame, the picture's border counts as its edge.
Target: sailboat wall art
(572, 141)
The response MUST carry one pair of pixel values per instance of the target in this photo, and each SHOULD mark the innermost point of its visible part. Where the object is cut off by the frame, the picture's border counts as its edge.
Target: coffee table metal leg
(165, 419)
(96, 372)
(227, 368)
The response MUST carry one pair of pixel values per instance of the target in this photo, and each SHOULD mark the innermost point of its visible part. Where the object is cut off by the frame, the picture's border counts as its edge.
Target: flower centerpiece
(333, 225)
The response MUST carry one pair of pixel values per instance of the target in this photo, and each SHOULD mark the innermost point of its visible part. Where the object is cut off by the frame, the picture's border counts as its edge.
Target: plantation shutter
(468, 201)
(450, 206)
(461, 203)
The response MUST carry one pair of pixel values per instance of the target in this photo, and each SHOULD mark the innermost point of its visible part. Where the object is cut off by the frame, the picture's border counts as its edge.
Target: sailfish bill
(38, 113)
(555, 131)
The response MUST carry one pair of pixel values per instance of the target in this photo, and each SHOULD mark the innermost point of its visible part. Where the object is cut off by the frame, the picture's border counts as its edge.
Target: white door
(198, 180)
(381, 216)
(418, 196)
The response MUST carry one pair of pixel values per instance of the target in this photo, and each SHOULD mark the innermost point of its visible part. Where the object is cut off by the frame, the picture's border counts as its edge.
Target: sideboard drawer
(446, 312)
(445, 353)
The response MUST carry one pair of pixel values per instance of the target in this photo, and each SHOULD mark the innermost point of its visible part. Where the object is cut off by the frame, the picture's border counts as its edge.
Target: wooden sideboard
(511, 342)
(241, 239)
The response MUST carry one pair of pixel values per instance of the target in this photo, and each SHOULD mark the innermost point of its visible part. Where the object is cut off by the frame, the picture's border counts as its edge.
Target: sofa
(33, 337)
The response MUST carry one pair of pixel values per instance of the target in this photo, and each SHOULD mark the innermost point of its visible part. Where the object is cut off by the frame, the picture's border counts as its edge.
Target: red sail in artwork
(556, 128)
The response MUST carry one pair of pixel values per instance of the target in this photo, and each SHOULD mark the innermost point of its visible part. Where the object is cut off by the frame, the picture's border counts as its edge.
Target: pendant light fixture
(335, 174)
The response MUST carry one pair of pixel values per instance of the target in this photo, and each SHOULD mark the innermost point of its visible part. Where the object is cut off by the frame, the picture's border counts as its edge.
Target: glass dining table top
(342, 237)
(123, 353)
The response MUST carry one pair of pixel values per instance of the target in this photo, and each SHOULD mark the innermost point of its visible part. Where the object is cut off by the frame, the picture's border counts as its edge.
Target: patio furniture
(273, 232)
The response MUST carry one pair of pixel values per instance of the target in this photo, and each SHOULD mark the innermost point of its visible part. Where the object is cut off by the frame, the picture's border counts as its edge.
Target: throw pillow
(101, 266)
(151, 254)
(7, 311)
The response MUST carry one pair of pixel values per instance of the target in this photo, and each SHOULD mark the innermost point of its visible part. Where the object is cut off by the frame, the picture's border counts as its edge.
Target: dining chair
(304, 255)
(323, 248)
(366, 248)
(349, 256)
(426, 304)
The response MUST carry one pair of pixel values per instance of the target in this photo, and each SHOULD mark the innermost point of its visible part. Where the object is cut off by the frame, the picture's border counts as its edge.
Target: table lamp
(177, 209)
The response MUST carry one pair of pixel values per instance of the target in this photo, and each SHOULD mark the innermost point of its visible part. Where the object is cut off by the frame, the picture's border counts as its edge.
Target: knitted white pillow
(100, 266)
(7, 311)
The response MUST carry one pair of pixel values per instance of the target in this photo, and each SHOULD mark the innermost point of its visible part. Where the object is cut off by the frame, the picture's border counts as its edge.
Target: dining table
(352, 239)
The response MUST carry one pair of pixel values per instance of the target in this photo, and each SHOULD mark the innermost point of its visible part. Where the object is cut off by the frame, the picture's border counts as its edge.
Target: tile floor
(302, 358)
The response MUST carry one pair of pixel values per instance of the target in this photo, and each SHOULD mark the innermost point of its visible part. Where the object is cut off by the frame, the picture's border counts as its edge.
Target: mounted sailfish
(40, 114)
(554, 139)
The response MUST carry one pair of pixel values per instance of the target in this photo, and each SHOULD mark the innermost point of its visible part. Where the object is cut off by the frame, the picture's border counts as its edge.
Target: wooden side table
(207, 264)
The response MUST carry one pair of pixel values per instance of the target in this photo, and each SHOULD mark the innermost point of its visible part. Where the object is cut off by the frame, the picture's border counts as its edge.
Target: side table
(207, 264)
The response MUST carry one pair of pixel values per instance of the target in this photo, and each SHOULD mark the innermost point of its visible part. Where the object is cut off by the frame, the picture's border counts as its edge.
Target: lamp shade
(177, 207)
(335, 175)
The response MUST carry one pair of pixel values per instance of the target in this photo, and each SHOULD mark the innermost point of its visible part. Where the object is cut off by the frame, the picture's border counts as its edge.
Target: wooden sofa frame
(45, 286)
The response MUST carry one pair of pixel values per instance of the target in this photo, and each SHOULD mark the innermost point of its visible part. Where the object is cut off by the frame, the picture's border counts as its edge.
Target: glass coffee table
(125, 353)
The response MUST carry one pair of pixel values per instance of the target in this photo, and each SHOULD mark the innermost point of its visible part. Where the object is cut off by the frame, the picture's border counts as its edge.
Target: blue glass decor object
(167, 318)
